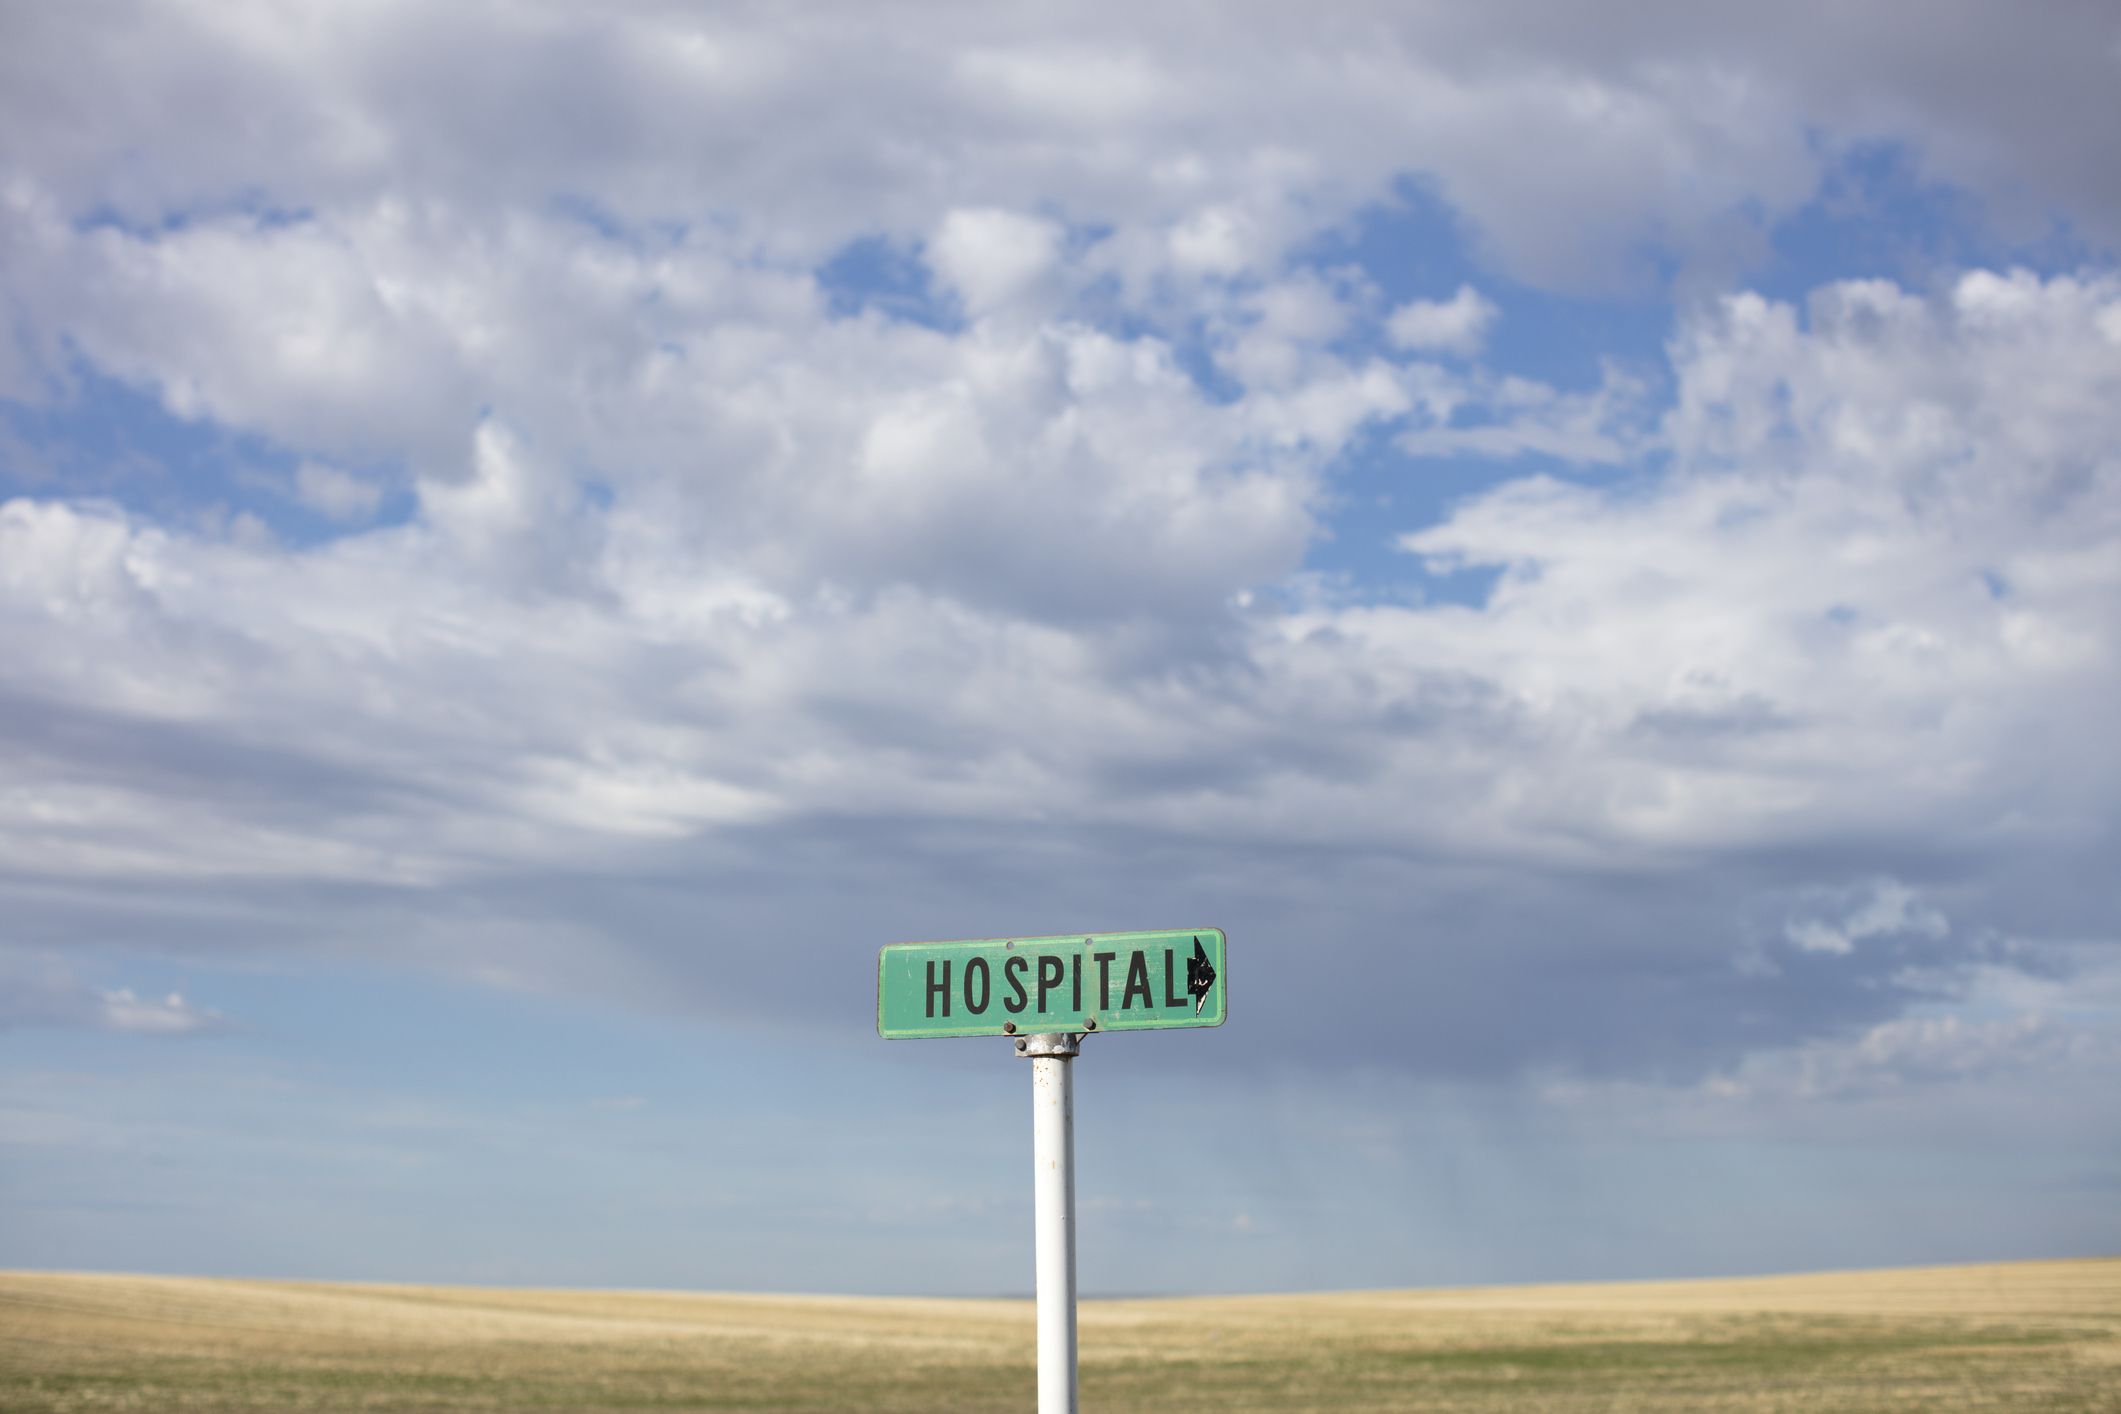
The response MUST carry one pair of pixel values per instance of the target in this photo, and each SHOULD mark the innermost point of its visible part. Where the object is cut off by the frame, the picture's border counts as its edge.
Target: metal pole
(1053, 1186)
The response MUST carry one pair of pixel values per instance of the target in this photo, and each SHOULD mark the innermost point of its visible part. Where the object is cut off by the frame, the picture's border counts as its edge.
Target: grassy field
(2025, 1336)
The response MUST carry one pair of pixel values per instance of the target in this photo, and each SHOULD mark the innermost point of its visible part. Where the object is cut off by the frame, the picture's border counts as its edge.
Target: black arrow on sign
(1200, 975)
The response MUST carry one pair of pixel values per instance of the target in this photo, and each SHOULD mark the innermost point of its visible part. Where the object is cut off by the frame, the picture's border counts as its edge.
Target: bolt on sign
(1029, 986)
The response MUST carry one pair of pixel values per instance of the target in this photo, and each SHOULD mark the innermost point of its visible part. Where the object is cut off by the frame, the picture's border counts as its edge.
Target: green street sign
(1079, 982)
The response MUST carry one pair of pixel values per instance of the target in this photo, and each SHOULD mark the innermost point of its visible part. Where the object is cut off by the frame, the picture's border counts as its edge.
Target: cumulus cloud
(336, 493)
(994, 257)
(1934, 1062)
(712, 587)
(1852, 539)
(170, 1015)
(1927, 1067)
(41, 991)
(1457, 325)
(1891, 909)
(1507, 417)
(1575, 151)
(1721, 669)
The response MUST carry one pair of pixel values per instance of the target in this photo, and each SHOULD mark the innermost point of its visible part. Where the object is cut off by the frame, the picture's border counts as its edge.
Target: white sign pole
(1053, 1187)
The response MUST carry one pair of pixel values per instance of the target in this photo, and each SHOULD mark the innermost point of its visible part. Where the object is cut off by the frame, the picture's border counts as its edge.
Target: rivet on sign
(1008, 1028)
(1021, 1044)
(1091, 1024)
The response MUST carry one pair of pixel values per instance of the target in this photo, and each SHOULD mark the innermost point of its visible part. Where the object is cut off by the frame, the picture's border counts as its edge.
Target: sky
(535, 537)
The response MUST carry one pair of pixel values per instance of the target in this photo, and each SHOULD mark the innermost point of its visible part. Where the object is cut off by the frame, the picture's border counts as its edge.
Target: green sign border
(998, 951)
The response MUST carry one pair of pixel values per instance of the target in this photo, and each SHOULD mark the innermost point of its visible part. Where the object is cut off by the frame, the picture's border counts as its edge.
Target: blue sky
(532, 541)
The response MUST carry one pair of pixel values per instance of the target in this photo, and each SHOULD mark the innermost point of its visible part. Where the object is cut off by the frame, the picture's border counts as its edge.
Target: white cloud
(1890, 910)
(1506, 417)
(147, 1016)
(1759, 645)
(1276, 337)
(1090, 86)
(44, 991)
(698, 560)
(1992, 1056)
(992, 257)
(1940, 1054)
(1457, 325)
(1575, 153)
(850, 569)
(337, 494)
(1219, 240)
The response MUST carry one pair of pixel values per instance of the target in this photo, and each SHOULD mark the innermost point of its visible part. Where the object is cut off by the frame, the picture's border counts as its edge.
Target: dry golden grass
(2033, 1336)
